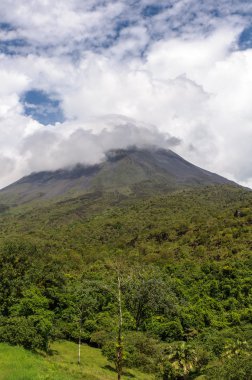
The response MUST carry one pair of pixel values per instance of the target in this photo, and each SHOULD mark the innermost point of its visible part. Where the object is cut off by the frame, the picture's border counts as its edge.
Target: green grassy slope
(17, 363)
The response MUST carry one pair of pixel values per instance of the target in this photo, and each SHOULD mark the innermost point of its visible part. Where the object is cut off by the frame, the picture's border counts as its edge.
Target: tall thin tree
(119, 348)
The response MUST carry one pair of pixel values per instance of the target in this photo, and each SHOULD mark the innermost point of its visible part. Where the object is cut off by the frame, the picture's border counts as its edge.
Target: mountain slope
(127, 171)
(185, 257)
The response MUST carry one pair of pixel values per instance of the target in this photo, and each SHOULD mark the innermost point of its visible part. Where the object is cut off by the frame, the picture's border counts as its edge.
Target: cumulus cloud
(126, 73)
(69, 25)
(70, 143)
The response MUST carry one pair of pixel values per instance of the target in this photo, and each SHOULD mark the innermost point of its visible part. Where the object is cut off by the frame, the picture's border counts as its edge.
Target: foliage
(186, 278)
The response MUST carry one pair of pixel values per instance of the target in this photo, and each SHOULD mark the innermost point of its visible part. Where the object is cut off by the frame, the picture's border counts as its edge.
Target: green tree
(30, 322)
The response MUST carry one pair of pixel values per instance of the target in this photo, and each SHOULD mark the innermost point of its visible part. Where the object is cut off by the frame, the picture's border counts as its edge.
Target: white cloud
(189, 85)
(65, 22)
(70, 25)
(71, 143)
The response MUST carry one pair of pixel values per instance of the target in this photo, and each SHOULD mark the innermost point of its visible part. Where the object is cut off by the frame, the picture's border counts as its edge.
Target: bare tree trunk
(79, 348)
(119, 353)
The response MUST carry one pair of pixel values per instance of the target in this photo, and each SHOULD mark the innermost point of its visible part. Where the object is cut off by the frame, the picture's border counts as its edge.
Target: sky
(78, 78)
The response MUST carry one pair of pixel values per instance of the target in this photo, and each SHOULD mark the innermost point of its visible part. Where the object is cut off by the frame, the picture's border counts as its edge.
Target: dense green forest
(184, 264)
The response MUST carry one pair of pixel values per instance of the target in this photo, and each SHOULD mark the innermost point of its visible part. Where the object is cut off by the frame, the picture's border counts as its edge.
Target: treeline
(185, 266)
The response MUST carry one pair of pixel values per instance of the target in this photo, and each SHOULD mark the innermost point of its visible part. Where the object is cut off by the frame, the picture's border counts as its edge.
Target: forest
(181, 263)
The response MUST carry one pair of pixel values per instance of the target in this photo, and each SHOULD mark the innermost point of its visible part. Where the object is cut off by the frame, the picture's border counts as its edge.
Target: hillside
(186, 270)
(131, 171)
(17, 363)
(178, 238)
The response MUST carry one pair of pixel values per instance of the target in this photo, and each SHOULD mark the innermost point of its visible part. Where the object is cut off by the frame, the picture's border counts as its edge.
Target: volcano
(127, 171)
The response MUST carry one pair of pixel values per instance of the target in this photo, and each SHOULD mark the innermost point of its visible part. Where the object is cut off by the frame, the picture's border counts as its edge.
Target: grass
(17, 363)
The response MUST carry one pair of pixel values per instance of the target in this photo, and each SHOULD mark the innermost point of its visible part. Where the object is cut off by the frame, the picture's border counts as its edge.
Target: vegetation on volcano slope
(185, 264)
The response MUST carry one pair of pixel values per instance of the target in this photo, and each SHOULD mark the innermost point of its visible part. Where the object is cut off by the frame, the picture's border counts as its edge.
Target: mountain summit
(127, 171)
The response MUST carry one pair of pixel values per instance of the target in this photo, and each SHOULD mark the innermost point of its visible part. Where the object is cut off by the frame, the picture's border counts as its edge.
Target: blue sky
(80, 77)
(43, 107)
